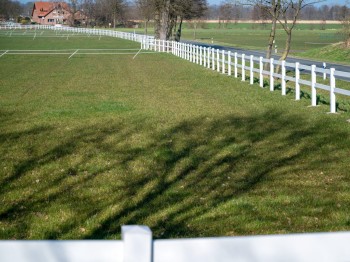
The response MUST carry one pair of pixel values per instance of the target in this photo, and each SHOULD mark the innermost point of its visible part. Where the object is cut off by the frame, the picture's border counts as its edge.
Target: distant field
(94, 142)
(264, 26)
(255, 37)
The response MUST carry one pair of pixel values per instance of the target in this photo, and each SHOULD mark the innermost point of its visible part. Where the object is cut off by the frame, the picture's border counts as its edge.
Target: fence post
(229, 63)
(251, 70)
(191, 53)
(223, 61)
(197, 54)
(187, 51)
(272, 84)
(332, 94)
(261, 76)
(243, 67)
(235, 65)
(324, 74)
(194, 54)
(205, 57)
(208, 57)
(137, 243)
(297, 85)
(313, 86)
(283, 80)
(218, 60)
(200, 55)
(213, 59)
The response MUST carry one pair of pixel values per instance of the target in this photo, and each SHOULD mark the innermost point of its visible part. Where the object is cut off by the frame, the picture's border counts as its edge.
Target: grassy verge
(94, 142)
(335, 52)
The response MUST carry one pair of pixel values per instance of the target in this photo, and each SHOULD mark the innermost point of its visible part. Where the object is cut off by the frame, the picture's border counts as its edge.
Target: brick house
(51, 13)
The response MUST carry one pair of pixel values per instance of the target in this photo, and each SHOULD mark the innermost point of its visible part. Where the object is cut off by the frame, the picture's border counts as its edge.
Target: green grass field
(257, 39)
(306, 38)
(94, 142)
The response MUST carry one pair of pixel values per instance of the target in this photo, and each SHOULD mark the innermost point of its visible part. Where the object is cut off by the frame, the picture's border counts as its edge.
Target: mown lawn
(91, 143)
(302, 40)
(246, 37)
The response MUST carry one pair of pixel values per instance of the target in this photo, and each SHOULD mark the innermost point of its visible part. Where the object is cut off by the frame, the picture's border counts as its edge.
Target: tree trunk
(287, 46)
(146, 26)
(179, 31)
(157, 24)
(195, 31)
(172, 24)
(271, 39)
(286, 49)
(164, 21)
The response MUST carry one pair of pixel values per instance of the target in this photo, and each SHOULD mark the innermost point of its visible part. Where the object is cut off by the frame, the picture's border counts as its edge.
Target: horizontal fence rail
(137, 245)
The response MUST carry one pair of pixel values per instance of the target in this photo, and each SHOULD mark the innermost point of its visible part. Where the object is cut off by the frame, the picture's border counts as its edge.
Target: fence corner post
(137, 243)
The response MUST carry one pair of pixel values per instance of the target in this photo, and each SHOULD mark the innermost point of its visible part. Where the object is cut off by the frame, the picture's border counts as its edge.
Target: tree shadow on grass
(110, 174)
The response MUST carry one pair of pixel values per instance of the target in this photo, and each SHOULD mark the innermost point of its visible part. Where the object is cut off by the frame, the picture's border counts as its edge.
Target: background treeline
(227, 11)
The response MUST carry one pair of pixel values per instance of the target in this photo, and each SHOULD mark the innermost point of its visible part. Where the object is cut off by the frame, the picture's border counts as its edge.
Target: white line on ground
(4, 53)
(137, 54)
(73, 53)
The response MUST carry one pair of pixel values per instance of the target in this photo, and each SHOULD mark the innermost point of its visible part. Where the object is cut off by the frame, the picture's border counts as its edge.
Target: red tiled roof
(44, 8)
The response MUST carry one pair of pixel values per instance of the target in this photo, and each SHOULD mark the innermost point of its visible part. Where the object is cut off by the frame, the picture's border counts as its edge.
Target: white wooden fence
(89, 31)
(137, 245)
(230, 63)
(252, 67)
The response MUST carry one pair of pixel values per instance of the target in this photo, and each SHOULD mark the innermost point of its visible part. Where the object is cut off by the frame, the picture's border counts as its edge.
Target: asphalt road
(308, 62)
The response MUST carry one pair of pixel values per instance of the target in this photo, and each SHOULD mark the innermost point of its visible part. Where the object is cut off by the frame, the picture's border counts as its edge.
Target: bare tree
(146, 9)
(290, 9)
(271, 9)
(168, 12)
(89, 9)
(226, 13)
(188, 10)
(74, 8)
(9, 9)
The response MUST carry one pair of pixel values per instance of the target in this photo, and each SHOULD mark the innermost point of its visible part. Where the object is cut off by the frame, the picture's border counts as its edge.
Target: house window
(50, 20)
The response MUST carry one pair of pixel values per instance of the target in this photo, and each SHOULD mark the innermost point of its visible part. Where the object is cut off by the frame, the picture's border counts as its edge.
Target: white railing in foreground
(89, 31)
(253, 67)
(137, 245)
